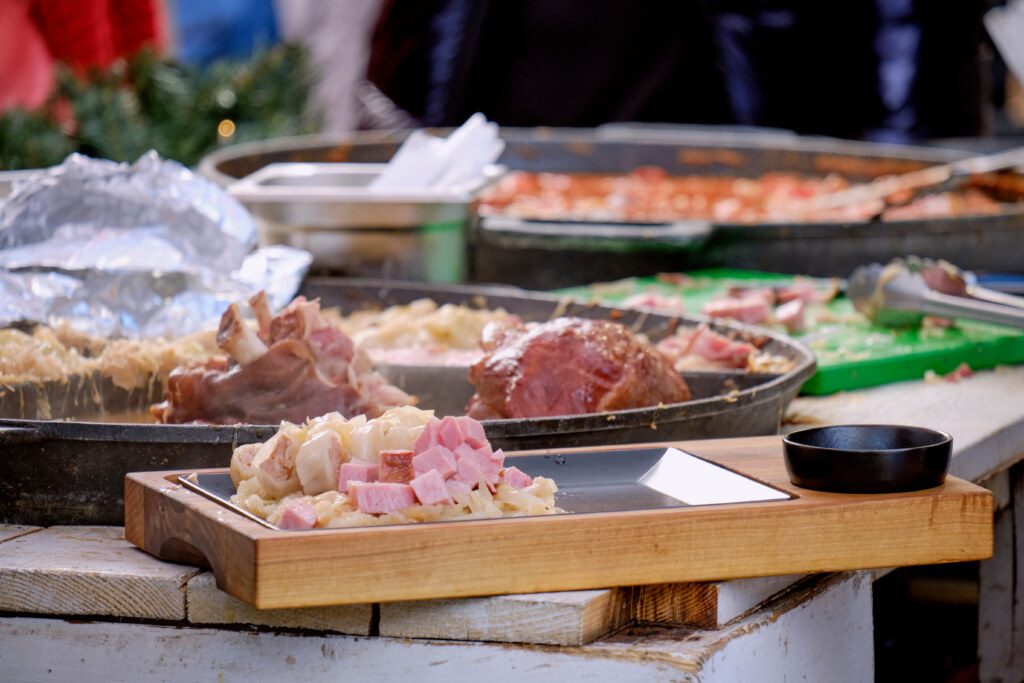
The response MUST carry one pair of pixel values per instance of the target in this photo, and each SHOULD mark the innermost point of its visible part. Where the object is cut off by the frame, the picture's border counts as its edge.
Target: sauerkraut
(421, 332)
(265, 487)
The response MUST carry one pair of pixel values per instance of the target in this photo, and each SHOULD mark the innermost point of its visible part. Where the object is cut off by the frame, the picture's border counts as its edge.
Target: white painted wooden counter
(80, 604)
(985, 416)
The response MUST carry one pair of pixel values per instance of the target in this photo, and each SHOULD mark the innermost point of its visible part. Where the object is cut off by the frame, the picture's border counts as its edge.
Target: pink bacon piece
(791, 315)
(751, 309)
(298, 515)
(449, 433)
(516, 478)
(485, 460)
(457, 490)
(355, 470)
(471, 428)
(435, 458)
(380, 498)
(469, 472)
(396, 467)
(430, 489)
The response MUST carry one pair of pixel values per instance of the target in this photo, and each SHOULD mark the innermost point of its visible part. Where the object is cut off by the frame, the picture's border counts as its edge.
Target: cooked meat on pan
(568, 366)
(295, 366)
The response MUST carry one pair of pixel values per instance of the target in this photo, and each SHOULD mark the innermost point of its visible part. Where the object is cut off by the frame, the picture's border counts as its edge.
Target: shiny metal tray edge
(606, 481)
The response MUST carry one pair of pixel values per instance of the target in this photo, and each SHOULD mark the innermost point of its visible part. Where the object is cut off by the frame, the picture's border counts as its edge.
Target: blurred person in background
(566, 63)
(880, 70)
(886, 70)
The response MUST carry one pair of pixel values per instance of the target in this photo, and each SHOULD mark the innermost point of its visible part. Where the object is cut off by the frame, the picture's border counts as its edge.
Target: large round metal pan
(72, 472)
(539, 255)
(726, 404)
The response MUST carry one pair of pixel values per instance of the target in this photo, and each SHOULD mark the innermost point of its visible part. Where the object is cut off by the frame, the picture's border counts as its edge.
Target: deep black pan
(72, 472)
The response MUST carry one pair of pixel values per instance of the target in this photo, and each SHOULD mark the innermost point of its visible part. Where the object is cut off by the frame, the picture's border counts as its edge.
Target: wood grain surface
(567, 618)
(814, 532)
(207, 604)
(12, 531)
(88, 571)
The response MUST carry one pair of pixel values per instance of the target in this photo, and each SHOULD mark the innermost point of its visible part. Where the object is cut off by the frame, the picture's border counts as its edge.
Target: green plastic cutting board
(852, 353)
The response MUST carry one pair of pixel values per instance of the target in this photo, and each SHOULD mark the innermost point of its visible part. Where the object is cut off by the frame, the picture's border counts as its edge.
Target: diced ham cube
(663, 302)
(466, 449)
(800, 290)
(428, 437)
(766, 294)
(457, 490)
(484, 458)
(297, 515)
(516, 478)
(471, 428)
(791, 315)
(380, 498)
(449, 433)
(469, 472)
(396, 467)
(430, 489)
(498, 457)
(435, 458)
(719, 349)
(963, 371)
(355, 470)
(750, 309)
(476, 444)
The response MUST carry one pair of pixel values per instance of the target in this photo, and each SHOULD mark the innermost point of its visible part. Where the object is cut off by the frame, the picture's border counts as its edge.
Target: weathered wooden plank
(88, 571)
(735, 598)
(579, 617)
(33, 649)
(833, 618)
(819, 631)
(1001, 594)
(566, 618)
(207, 604)
(784, 641)
(999, 485)
(1017, 639)
(11, 531)
(709, 605)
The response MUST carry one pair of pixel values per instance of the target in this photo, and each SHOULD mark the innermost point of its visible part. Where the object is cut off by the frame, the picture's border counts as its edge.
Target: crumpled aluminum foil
(143, 250)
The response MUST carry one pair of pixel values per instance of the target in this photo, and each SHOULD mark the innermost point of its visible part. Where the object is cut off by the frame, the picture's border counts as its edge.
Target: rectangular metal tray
(595, 481)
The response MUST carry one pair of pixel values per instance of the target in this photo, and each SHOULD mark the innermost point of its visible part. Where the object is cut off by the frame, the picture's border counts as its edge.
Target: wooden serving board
(813, 532)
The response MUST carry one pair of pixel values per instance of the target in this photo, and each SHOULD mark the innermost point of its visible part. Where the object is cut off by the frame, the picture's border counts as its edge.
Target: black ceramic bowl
(867, 458)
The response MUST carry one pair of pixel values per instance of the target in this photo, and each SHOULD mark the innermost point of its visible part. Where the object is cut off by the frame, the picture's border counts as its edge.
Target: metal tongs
(903, 292)
(933, 178)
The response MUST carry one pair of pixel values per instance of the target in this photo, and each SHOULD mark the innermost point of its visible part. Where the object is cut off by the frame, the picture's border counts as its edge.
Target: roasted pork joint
(569, 366)
(295, 366)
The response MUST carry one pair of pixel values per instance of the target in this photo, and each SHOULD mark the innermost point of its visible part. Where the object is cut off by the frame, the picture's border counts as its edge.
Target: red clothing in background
(26, 67)
(34, 34)
(93, 33)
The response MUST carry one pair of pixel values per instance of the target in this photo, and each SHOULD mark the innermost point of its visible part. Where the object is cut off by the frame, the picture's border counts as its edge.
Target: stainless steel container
(328, 210)
(536, 255)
